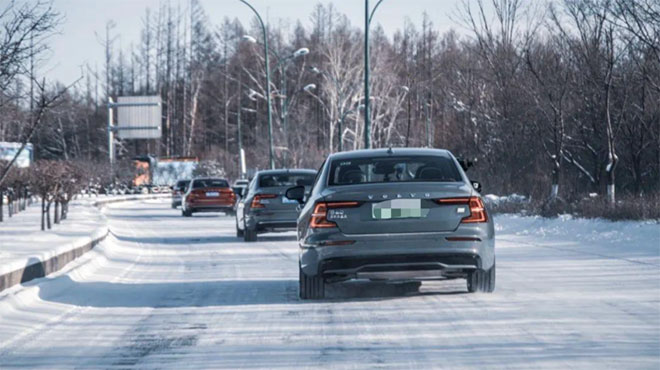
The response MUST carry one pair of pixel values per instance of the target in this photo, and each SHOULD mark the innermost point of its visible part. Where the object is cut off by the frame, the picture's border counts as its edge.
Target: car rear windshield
(285, 179)
(393, 169)
(209, 183)
(182, 185)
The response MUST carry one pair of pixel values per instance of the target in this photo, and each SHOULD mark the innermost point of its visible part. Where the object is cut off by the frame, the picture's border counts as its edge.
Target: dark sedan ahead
(264, 207)
(393, 214)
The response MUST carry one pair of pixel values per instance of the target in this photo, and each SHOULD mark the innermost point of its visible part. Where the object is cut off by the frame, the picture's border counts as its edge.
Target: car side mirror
(465, 163)
(296, 193)
(476, 185)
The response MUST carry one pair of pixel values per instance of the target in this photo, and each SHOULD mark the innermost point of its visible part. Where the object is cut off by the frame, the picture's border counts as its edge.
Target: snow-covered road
(165, 291)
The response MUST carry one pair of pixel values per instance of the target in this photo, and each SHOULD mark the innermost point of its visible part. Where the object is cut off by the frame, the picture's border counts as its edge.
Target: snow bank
(632, 240)
(492, 199)
(27, 252)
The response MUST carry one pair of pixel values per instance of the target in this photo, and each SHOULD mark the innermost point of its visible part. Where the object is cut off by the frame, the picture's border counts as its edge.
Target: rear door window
(182, 185)
(209, 183)
(285, 179)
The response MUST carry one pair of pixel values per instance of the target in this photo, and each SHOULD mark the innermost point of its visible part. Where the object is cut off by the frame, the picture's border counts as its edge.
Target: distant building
(8, 151)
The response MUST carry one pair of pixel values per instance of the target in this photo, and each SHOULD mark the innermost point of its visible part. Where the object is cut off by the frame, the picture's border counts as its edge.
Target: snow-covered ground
(165, 291)
(22, 241)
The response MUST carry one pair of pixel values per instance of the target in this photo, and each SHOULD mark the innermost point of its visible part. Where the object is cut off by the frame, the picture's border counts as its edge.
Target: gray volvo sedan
(393, 214)
(263, 206)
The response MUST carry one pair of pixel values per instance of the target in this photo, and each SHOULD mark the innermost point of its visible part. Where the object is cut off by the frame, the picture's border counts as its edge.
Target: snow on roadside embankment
(631, 240)
(22, 243)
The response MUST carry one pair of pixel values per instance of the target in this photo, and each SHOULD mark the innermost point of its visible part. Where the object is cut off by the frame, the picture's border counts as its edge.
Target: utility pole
(264, 31)
(409, 121)
(111, 134)
(367, 112)
(238, 123)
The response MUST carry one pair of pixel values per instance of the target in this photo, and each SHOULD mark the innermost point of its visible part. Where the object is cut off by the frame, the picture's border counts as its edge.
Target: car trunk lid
(397, 207)
(273, 199)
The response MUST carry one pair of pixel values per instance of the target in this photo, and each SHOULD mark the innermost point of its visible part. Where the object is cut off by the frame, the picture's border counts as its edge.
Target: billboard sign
(9, 150)
(139, 117)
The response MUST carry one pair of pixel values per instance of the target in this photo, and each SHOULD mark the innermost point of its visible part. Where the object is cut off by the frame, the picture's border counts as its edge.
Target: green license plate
(398, 208)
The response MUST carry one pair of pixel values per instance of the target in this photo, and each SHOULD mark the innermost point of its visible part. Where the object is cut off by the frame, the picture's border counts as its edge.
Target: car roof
(286, 170)
(211, 178)
(369, 153)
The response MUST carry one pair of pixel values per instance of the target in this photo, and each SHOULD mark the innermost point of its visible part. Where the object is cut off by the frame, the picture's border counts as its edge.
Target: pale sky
(78, 42)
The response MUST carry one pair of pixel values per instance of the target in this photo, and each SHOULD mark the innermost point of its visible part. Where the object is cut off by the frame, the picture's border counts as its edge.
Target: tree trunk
(43, 214)
(555, 179)
(2, 199)
(48, 216)
(56, 213)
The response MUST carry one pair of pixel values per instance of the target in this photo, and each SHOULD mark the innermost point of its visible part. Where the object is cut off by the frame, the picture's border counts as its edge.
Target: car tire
(186, 213)
(249, 235)
(173, 206)
(481, 281)
(239, 232)
(310, 287)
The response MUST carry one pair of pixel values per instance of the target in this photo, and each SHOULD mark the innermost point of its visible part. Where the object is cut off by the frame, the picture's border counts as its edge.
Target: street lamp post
(241, 157)
(271, 158)
(284, 109)
(407, 90)
(367, 114)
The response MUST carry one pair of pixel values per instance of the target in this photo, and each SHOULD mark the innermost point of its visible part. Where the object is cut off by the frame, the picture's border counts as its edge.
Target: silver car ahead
(393, 214)
(264, 207)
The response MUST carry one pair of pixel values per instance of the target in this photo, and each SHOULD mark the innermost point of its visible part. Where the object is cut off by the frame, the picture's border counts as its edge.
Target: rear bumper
(209, 207)
(404, 266)
(398, 256)
(264, 221)
(276, 226)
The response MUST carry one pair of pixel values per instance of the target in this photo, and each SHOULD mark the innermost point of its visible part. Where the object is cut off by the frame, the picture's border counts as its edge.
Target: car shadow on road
(382, 290)
(149, 217)
(278, 238)
(183, 240)
(63, 289)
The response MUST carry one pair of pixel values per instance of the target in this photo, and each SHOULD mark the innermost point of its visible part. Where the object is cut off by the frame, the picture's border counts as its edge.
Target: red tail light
(256, 201)
(477, 209)
(319, 216)
(227, 192)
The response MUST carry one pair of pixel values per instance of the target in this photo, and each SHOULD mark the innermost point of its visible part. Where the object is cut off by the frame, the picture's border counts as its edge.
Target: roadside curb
(40, 268)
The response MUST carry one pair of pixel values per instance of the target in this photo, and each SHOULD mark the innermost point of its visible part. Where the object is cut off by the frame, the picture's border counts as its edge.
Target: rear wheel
(481, 280)
(186, 213)
(310, 287)
(250, 235)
